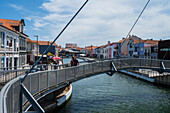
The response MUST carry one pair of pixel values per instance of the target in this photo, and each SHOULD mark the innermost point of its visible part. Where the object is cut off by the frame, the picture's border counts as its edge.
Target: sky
(100, 21)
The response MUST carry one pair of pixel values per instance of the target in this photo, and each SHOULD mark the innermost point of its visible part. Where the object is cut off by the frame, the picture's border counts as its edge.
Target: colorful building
(122, 45)
(110, 50)
(13, 43)
(141, 48)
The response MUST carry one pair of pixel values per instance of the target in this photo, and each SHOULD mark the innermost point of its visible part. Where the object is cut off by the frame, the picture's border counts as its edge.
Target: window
(165, 49)
(7, 43)
(130, 52)
(130, 45)
(10, 44)
(33, 46)
(2, 39)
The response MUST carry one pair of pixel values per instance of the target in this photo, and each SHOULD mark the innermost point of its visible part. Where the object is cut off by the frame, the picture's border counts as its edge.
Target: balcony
(22, 48)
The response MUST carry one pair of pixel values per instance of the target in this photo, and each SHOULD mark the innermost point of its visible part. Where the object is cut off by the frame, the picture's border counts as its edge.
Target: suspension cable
(135, 22)
(22, 79)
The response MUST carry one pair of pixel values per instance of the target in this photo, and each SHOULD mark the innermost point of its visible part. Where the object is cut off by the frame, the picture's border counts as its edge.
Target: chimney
(108, 43)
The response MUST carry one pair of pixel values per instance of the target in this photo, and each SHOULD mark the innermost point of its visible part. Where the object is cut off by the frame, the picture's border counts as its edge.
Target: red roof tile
(9, 23)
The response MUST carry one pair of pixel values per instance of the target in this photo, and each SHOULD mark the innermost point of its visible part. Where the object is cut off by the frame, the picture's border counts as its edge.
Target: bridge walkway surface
(43, 82)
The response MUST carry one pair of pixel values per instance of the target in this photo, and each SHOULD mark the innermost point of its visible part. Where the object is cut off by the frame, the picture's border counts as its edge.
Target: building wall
(9, 52)
(42, 48)
(104, 53)
(118, 50)
(110, 51)
(154, 52)
(164, 49)
(141, 49)
(124, 44)
(2, 35)
(69, 45)
(130, 49)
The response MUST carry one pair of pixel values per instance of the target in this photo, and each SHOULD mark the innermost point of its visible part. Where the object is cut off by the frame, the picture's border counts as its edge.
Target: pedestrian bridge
(39, 84)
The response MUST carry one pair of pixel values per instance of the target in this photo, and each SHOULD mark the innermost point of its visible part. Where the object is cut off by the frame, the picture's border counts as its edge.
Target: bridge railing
(6, 74)
(40, 81)
(140, 63)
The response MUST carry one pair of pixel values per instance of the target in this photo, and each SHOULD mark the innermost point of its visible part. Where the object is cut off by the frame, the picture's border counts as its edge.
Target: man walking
(75, 62)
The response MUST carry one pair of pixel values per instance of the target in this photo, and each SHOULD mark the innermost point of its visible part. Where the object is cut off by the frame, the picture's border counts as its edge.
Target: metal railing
(15, 67)
(40, 81)
(141, 63)
(7, 75)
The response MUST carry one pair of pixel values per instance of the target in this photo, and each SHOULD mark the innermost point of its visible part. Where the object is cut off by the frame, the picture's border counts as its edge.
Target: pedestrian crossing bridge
(17, 96)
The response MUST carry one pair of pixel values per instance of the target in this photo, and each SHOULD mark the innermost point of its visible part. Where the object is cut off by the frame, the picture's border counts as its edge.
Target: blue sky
(99, 22)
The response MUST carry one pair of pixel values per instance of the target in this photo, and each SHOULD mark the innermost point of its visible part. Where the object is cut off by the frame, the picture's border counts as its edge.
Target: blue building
(139, 50)
(135, 48)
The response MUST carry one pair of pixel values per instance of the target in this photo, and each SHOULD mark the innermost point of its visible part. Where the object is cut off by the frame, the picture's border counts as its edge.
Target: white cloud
(35, 28)
(59, 6)
(39, 23)
(28, 18)
(17, 7)
(45, 37)
(103, 20)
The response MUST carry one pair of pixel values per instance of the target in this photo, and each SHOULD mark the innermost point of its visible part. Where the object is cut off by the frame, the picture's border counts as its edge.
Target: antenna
(22, 79)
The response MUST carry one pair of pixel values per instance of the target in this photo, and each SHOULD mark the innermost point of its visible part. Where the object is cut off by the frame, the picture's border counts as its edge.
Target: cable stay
(22, 79)
(135, 23)
(23, 89)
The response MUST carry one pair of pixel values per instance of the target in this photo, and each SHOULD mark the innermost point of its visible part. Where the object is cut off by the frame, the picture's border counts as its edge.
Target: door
(28, 59)
(15, 63)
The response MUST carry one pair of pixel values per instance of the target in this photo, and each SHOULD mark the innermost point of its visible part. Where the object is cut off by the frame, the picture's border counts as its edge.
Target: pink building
(110, 51)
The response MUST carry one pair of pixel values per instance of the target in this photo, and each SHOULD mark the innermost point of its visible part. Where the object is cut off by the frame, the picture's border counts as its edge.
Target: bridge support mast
(112, 69)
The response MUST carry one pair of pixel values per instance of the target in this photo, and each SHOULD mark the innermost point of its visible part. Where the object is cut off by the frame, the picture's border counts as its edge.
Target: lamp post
(37, 44)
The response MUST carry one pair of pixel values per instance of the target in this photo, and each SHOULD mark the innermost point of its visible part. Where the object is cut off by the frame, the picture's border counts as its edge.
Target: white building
(13, 43)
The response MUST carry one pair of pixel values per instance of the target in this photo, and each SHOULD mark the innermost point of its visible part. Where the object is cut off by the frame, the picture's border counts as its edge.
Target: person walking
(75, 62)
(72, 60)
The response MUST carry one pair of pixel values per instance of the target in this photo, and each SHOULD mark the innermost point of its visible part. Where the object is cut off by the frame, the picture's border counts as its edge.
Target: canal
(116, 94)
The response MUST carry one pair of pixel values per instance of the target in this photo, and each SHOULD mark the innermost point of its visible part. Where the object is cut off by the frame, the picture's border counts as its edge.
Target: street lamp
(37, 45)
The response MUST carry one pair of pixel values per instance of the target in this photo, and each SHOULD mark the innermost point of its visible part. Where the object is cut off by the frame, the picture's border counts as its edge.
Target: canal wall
(161, 80)
(152, 80)
(164, 80)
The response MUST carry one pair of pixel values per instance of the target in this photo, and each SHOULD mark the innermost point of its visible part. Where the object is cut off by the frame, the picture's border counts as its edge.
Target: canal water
(117, 94)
